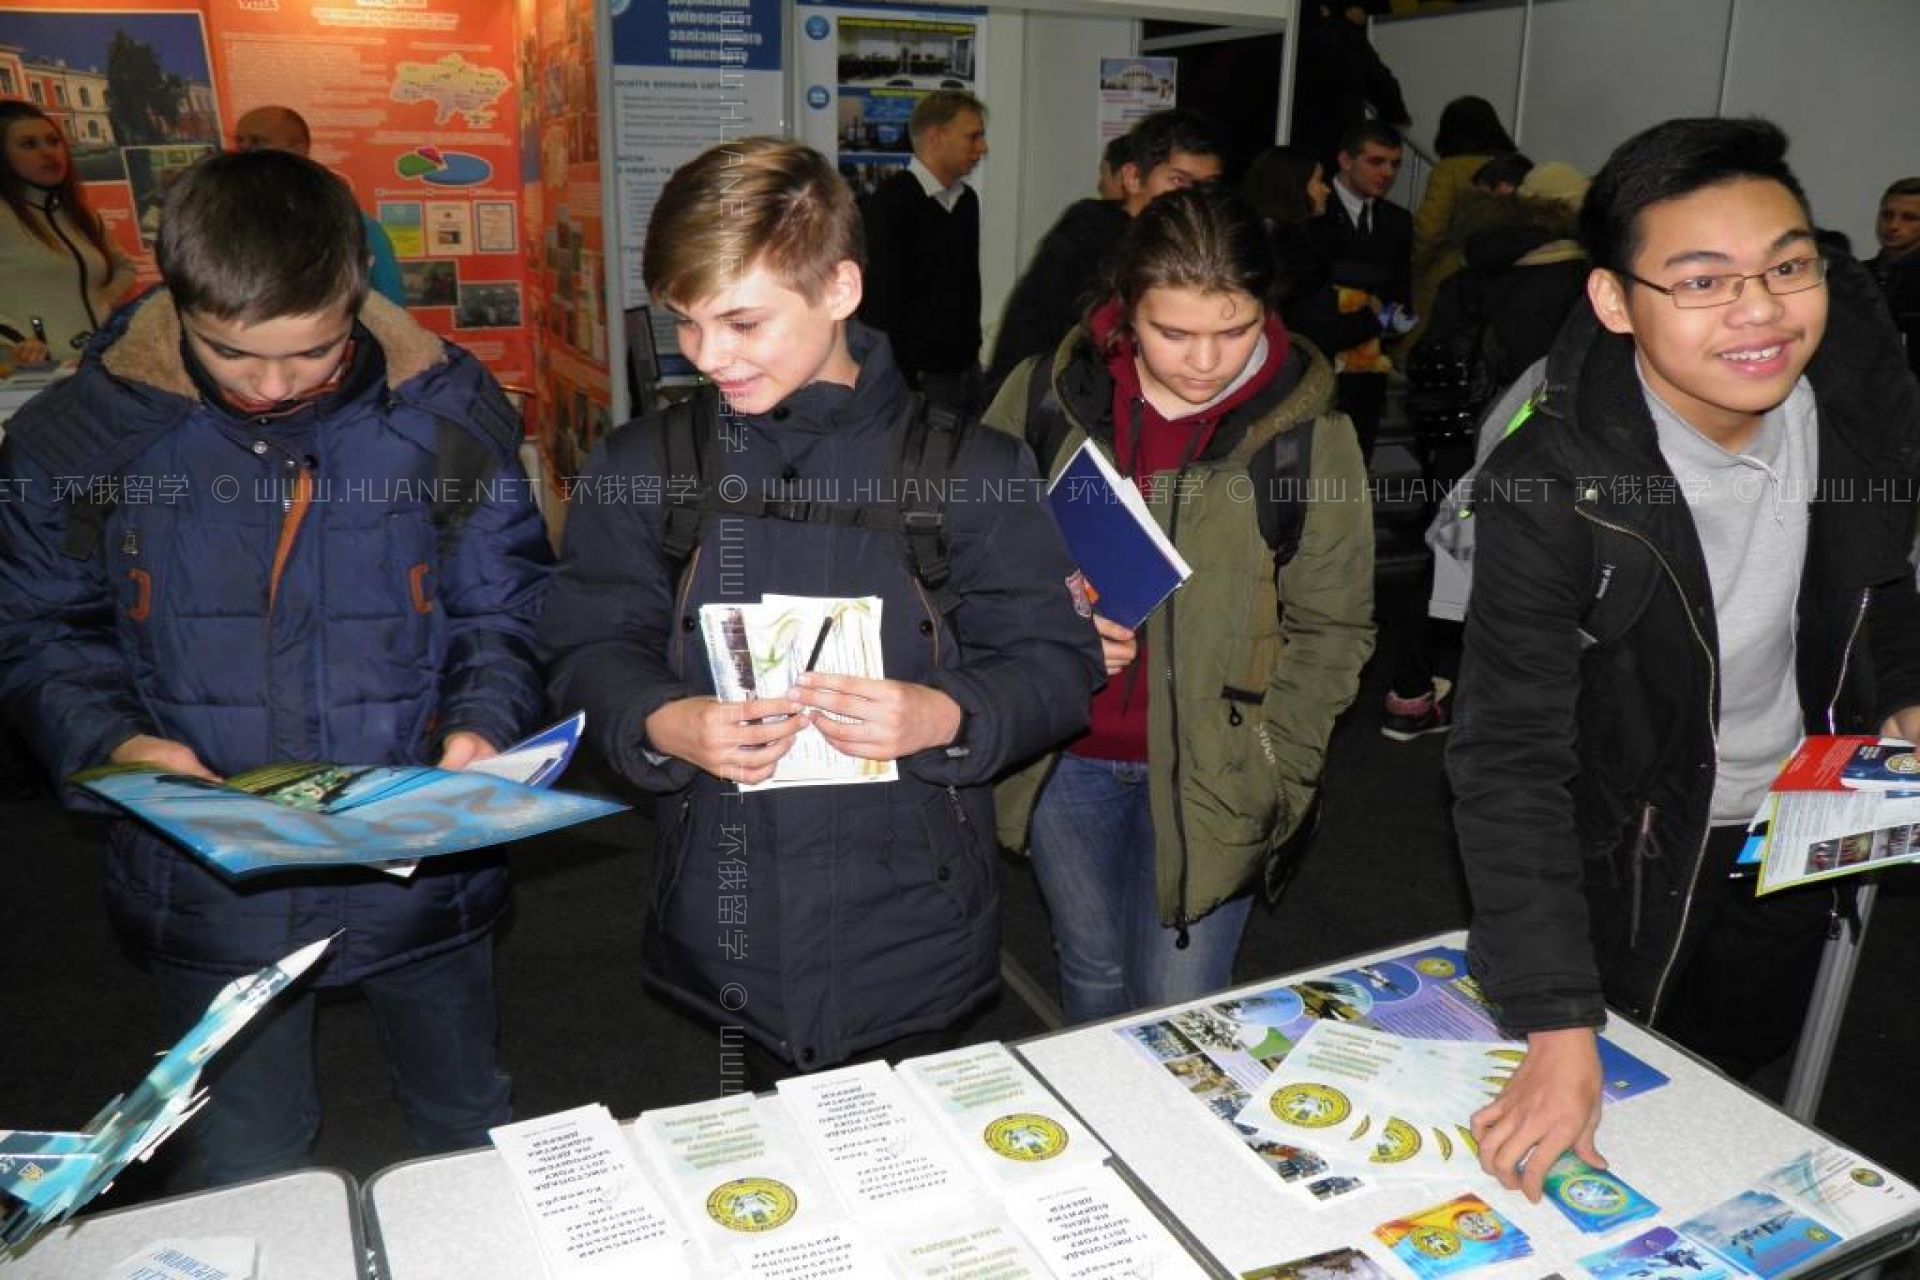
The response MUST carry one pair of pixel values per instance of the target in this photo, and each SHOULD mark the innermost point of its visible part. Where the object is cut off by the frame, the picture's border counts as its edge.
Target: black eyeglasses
(1791, 276)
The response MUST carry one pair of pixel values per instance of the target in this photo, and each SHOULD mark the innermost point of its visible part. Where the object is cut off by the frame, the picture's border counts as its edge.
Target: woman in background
(1288, 189)
(63, 276)
(1470, 134)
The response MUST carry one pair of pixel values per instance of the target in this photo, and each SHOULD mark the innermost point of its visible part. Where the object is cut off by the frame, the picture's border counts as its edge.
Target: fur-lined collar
(149, 351)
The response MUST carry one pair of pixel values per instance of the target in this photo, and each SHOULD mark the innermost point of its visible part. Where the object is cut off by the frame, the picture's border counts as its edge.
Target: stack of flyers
(1003, 1120)
(878, 1148)
(1368, 1097)
(1594, 1200)
(1841, 1188)
(1658, 1254)
(1761, 1234)
(1460, 1235)
(593, 1212)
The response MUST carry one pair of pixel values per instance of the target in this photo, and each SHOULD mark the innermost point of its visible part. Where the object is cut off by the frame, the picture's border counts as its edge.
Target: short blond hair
(758, 202)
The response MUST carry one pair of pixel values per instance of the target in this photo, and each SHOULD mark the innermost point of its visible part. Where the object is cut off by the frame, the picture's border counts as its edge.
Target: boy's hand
(1551, 1104)
(163, 754)
(31, 352)
(1902, 724)
(462, 749)
(891, 718)
(1117, 645)
(733, 741)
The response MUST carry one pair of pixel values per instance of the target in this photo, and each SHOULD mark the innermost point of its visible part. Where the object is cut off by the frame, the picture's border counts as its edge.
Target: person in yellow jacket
(1150, 831)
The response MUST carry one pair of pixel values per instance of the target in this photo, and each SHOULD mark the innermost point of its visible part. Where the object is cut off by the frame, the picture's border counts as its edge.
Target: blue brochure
(1128, 561)
(304, 815)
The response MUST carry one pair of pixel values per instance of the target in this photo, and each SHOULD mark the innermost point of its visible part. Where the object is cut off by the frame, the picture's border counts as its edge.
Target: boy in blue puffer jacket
(234, 538)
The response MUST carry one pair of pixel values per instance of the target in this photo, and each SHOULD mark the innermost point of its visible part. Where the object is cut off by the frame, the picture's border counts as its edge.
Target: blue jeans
(436, 1021)
(1093, 855)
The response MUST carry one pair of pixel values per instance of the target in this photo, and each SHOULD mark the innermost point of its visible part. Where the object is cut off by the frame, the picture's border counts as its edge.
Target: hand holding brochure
(1839, 808)
(1128, 560)
(304, 815)
(759, 650)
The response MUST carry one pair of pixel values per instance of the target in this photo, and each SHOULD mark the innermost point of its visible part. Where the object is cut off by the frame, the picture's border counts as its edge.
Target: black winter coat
(825, 919)
(1064, 277)
(1583, 758)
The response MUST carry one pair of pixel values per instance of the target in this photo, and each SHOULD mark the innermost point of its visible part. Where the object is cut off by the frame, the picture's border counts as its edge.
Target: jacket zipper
(1713, 733)
(1180, 919)
(1644, 850)
(1846, 656)
(79, 262)
(682, 595)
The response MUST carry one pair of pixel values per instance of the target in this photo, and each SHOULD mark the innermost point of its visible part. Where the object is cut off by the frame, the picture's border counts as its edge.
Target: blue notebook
(1111, 535)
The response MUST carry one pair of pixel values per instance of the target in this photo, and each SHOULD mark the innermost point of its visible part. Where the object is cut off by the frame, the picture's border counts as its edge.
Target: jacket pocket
(956, 866)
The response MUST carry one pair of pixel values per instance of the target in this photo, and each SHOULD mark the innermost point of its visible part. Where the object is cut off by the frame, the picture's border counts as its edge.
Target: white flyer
(202, 1258)
(876, 1145)
(594, 1212)
(1090, 1225)
(736, 1171)
(1006, 1124)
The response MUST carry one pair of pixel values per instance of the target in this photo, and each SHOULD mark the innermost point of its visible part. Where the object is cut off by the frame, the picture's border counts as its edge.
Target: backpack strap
(464, 463)
(927, 442)
(1282, 505)
(1047, 423)
(687, 428)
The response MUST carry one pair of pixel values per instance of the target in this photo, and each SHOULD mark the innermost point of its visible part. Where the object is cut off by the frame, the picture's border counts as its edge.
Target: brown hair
(1205, 239)
(756, 202)
(68, 195)
(256, 235)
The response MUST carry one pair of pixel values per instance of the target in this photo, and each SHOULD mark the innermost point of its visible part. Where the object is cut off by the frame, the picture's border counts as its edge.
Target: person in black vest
(923, 251)
(1369, 239)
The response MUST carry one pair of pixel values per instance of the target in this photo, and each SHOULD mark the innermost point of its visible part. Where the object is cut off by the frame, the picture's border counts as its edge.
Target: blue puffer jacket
(825, 919)
(218, 612)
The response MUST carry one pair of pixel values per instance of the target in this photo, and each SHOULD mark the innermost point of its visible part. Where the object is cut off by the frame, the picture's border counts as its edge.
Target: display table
(1688, 1146)
(307, 1225)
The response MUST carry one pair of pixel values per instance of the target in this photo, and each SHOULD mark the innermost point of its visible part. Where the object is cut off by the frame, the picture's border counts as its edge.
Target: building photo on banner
(861, 70)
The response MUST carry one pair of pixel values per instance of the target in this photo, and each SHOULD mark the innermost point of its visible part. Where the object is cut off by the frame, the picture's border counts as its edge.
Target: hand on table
(1550, 1106)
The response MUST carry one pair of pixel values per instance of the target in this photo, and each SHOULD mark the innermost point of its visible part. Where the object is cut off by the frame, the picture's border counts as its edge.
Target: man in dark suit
(1369, 240)
(923, 251)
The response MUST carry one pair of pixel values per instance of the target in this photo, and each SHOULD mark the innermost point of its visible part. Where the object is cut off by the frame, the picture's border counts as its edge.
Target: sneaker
(1410, 718)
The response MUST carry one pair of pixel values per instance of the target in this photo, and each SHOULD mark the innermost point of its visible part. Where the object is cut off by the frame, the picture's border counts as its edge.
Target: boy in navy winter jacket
(260, 572)
(823, 921)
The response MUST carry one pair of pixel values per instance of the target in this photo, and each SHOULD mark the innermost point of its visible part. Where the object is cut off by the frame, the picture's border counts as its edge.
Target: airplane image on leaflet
(45, 1177)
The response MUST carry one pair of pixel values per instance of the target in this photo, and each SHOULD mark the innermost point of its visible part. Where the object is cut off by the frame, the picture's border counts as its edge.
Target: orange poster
(415, 106)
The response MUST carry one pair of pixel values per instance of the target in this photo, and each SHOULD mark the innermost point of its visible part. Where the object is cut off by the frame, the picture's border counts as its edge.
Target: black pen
(819, 643)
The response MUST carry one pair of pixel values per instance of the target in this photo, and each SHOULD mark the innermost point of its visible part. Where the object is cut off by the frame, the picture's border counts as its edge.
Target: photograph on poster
(157, 62)
(865, 173)
(401, 221)
(904, 53)
(496, 226)
(494, 305)
(1144, 79)
(433, 283)
(449, 226)
(877, 119)
(151, 171)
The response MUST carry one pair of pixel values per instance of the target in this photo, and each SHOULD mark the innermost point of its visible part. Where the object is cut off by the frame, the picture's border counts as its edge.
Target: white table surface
(307, 1225)
(1687, 1146)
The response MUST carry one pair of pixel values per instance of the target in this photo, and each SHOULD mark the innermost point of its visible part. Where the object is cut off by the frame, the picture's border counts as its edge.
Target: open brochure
(760, 650)
(1838, 809)
(296, 816)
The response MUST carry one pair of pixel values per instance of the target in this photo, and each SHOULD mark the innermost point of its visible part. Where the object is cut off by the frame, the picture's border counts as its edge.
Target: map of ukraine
(453, 86)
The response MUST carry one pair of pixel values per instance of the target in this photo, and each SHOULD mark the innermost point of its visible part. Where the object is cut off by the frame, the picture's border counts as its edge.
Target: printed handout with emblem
(760, 650)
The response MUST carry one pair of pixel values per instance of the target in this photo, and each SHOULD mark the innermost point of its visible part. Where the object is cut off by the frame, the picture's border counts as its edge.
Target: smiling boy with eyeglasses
(1690, 550)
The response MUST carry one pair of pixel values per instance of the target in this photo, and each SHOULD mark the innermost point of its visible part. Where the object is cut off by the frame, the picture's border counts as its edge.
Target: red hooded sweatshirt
(1145, 445)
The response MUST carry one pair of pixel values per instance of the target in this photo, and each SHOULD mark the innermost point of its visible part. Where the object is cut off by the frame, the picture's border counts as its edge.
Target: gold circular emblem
(1435, 967)
(752, 1204)
(1398, 1141)
(1025, 1136)
(1310, 1106)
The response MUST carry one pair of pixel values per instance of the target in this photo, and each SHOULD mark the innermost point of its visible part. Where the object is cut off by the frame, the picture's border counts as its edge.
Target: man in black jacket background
(923, 250)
